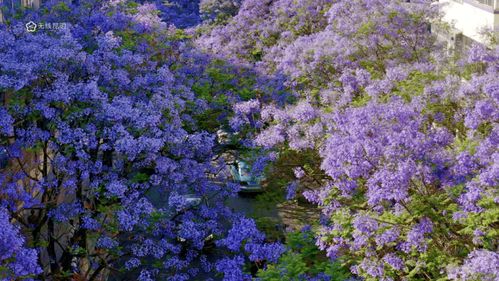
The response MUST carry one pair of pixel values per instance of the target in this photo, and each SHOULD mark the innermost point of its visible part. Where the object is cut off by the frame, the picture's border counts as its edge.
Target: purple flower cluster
(479, 264)
(232, 269)
(18, 261)
(107, 132)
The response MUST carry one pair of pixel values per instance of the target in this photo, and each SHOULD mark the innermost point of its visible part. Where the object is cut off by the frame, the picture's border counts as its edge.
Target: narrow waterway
(273, 218)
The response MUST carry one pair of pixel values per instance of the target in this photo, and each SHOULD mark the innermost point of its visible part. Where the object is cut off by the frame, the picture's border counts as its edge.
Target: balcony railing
(494, 4)
(486, 2)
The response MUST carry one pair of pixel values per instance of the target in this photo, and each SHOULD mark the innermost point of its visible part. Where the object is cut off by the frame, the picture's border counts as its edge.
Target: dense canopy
(115, 164)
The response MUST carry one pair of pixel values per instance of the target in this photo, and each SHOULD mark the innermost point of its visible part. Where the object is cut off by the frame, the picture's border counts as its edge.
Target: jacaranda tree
(99, 123)
(407, 179)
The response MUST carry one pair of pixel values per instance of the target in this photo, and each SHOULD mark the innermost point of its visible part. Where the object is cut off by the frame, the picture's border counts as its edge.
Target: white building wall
(471, 18)
(31, 3)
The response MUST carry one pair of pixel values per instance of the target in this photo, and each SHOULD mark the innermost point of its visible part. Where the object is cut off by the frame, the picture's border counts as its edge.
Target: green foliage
(360, 100)
(291, 267)
(470, 69)
(485, 221)
(128, 39)
(366, 29)
(61, 7)
(303, 259)
(218, 82)
(415, 84)
(78, 251)
(257, 54)
(179, 34)
(132, 7)
(140, 178)
(268, 226)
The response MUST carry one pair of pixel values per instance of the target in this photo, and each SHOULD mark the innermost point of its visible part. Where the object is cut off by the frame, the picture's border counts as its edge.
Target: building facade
(469, 21)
